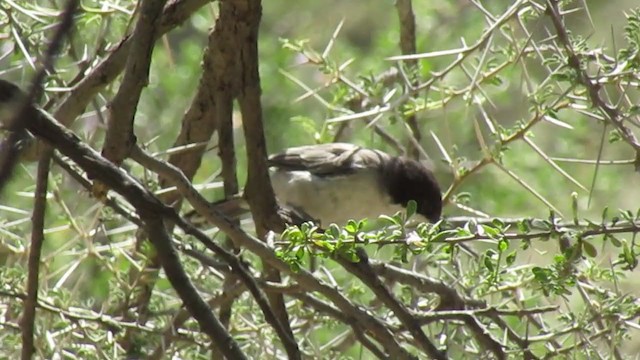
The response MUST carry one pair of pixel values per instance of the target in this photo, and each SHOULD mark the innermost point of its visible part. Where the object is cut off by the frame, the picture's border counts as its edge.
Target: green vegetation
(528, 112)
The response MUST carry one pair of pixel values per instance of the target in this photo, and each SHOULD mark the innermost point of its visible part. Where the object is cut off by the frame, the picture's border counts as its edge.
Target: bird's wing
(327, 159)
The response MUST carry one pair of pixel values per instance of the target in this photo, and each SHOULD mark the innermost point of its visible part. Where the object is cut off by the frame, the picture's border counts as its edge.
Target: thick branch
(238, 26)
(120, 137)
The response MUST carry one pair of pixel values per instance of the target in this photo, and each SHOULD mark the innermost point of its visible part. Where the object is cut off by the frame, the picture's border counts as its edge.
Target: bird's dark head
(406, 180)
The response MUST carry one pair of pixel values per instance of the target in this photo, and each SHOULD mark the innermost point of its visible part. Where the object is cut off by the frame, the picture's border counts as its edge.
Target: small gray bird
(333, 183)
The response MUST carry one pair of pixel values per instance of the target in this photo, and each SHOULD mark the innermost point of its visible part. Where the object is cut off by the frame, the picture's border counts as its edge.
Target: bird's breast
(334, 199)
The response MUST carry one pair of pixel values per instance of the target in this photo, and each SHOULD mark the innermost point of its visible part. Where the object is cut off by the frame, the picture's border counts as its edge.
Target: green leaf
(352, 256)
(498, 223)
(560, 258)
(325, 245)
(490, 231)
(412, 207)
(614, 136)
(351, 227)
(443, 235)
(463, 197)
(488, 263)
(589, 249)
(403, 253)
(540, 274)
(627, 215)
(523, 226)
(503, 245)
(333, 231)
(628, 257)
(614, 240)
(361, 224)
(460, 232)
(389, 219)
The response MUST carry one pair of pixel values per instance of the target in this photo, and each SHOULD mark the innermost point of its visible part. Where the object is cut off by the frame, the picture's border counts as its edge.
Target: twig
(102, 319)
(593, 88)
(362, 269)
(35, 251)
(407, 23)
(168, 337)
(8, 158)
(20, 103)
(174, 14)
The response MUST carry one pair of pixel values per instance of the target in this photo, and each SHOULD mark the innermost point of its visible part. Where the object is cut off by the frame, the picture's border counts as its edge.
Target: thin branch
(174, 14)
(102, 319)
(611, 113)
(19, 104)
(362, 269)
(182, 316)
(407, 23)
(35, 251)
(199, 309)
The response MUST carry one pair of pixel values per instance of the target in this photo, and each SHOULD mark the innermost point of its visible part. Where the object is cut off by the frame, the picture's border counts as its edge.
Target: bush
(527, 119)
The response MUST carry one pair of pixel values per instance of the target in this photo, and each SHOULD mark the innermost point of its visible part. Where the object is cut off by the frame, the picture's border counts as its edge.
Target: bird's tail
(236, 208)
(233, 208)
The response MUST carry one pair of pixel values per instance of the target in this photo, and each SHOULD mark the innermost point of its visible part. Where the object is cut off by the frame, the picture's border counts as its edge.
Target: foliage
(528, 119)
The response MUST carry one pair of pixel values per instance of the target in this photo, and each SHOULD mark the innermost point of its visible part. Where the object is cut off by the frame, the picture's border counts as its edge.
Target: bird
(336, 182)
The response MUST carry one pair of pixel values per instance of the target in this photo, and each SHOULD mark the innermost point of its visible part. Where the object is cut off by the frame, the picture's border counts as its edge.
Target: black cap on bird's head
(407, 179)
